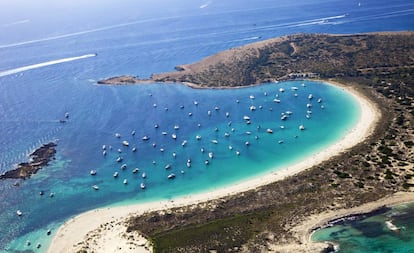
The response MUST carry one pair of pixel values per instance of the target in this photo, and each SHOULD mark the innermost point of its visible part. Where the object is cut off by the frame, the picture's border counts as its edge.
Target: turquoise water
(140, 39)
(371, 234)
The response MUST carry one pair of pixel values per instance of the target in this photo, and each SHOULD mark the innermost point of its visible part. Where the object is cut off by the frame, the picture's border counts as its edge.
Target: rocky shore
(38, 159)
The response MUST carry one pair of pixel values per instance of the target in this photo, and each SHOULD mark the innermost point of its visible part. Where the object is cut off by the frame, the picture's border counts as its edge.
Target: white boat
(270, 131)
(164, 133)
(67, 115)
(245, 117)
(301, 127)
(133, 133)
(188, 165)
(284, 117)
(209, 113)
(142, 185)
(184, 143)
(294, 88)
(289, 112)
(282, 90)
(145, 138)
(308, 105)
(214, 141)
(391, 226)
(195, 102)
(117, 135)
(216, 108)
(176, 127)
(248, 133)
(280, 141)
(134, 149)
(303, 85)
(202, 150)
(211, 155)
(171, 176)
(247, 143)
(116, 174)
(174, 136)
(104, 153)
(95, 187)
(198, 137)
(251, 97)
(206, 162)
(282, 127)
(125, 181)
(310, 96)
(276, 100)
(174, 154)
(135, 170)
(190, 114)
(156, 126)
(319, 100)
(19, 213)
(226, 134)
(237, 152)
(265, 93)
(125, 143)
(144, 175)
(168, 166)
(104, 147)
(230, 147)
(93, 172)
(252, 108)
(227, 114)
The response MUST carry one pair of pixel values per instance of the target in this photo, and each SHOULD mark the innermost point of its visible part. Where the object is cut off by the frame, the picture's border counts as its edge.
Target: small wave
(44, 64)
(247, 39)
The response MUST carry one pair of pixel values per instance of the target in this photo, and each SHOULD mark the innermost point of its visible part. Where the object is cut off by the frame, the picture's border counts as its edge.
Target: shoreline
(73, 231)
(306, 228)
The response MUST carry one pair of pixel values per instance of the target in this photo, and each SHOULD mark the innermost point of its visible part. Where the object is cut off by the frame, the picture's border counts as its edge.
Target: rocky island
(279, 217)
(38, 159)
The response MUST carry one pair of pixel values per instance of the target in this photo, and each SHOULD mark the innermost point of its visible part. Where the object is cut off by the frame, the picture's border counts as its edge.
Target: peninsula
(277, 216)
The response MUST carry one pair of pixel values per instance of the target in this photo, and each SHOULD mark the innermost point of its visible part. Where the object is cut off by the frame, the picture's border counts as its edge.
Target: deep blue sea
(48, 67)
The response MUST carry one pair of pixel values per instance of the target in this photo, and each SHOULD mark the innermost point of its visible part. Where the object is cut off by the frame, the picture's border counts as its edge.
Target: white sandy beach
(114, 238)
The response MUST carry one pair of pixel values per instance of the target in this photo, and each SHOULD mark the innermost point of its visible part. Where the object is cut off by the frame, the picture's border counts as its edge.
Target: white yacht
(135, 170)
(142, 185)
(145, 138)
(144, 175)
(270, 131)
(93, 172)
(301, 127)
(174, 136)
(125, 143)
(95, 187)
(19, 213)
(171, 176)
(116, 174)
(214, 141)
(211, 155)
(198, 137)
(125, 181)
(168, 166)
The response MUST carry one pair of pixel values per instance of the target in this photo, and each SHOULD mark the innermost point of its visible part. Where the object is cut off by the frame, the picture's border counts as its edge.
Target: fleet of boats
(247, 119)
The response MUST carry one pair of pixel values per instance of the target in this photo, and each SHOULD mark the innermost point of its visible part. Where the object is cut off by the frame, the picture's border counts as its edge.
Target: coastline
(74, 231)
(307, 227)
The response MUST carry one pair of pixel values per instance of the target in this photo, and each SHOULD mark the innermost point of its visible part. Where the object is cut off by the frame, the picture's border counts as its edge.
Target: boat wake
(15, 23)
(205, 5)
(44, 64)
